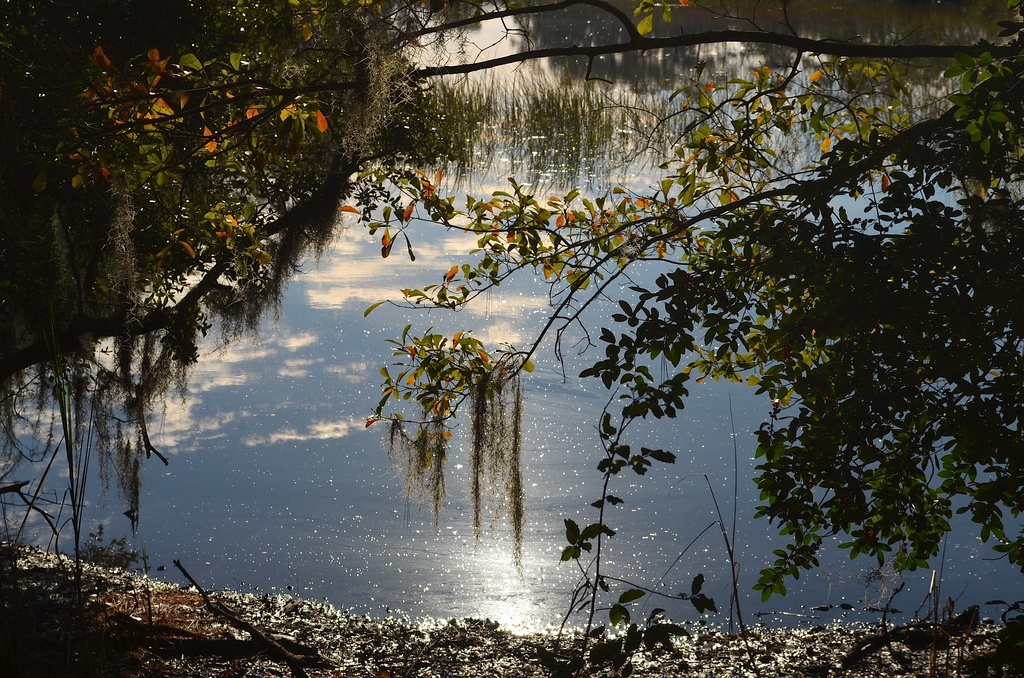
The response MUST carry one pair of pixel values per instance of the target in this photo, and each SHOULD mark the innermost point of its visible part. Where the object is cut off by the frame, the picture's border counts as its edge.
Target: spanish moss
(420, 461)
(495, 456)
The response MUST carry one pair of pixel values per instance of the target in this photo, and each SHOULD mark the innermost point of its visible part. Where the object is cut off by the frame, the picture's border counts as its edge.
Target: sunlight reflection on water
(276, 485)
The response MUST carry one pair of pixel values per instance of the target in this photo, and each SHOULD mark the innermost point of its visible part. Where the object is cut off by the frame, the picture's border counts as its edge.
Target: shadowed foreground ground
(134, 627)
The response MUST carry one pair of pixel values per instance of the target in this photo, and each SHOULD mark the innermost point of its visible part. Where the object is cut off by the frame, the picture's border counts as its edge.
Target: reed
(554, 132)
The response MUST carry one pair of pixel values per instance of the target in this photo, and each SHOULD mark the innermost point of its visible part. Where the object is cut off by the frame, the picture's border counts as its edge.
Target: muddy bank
(132, 626)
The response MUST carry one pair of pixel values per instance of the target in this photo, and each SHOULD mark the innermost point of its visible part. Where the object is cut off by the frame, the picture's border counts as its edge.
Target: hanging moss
(495, 456)
(420, 460)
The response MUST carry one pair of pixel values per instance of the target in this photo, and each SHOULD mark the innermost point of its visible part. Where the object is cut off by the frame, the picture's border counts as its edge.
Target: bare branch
(798, 44)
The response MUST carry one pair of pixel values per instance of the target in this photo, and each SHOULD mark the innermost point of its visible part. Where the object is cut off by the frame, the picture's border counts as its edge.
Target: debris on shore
(130, 626)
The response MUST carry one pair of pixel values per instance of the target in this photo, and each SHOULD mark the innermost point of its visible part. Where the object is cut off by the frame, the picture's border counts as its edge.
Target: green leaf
(236, 60)
(966, 61)
(631, 595)
(191, 62)
(572, 531)
(646, 24)
(40, 182)
(660, 455)
(369, 309)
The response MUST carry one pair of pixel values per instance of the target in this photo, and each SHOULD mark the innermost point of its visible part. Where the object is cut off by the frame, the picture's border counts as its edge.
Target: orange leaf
(450, 275)
(816, 76)
(348, 208)
(885, 182)
(371, 421)
(455, 339)
(826, 144)
(321, 122)
(408, 212)
(99, 59)
(252, 112)
(188, 248)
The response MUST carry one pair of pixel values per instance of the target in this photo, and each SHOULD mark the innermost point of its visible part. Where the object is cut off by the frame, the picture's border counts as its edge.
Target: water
(276, 485)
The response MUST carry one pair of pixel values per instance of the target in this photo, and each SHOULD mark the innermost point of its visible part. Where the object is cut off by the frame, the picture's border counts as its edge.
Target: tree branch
(620, 16)
(295, 662)
(82, 329)
(807, 45)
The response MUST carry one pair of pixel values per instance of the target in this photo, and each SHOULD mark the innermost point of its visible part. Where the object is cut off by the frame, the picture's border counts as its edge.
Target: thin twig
(274, 649)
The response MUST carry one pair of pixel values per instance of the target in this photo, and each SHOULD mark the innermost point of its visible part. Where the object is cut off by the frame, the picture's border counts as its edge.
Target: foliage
(869, 289)
(604, 645)
(164, 169)
(159, 176)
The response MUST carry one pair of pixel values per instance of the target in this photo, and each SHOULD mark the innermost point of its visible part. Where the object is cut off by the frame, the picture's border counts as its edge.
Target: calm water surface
(276, 485)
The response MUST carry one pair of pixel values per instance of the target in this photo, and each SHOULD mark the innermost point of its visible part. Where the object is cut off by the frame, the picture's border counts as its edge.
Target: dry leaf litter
(135, 626)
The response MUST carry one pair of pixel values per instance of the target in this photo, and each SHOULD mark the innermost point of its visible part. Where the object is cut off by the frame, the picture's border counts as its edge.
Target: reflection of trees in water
(881, 22)
(547, 127)
(554, 132)
(543, 130)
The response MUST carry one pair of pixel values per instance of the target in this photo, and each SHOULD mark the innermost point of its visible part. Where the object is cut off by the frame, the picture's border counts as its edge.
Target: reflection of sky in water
(276, 485)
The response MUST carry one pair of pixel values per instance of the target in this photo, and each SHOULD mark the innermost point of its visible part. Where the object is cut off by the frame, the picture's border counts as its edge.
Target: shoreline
(144, 627)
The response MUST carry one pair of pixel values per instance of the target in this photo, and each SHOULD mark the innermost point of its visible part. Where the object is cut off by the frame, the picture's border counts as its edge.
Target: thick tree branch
(83, 329)
(624, 19)
(796, 43)
(16, 487)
